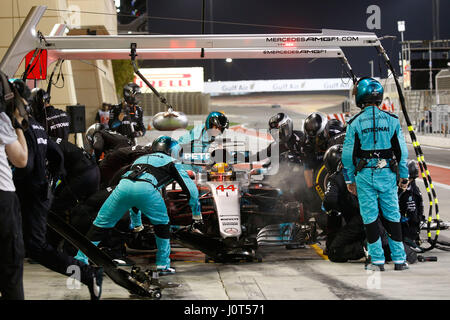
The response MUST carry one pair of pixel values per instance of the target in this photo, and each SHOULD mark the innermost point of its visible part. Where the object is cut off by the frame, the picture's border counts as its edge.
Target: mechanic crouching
(140, 188)
(117, 159)
(343, 243)
(411, 207)
(102, 141)
(81, 180)
(374, 149)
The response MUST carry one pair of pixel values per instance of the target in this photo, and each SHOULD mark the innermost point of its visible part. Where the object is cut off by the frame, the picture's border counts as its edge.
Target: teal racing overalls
(140, 188)
(373, 138)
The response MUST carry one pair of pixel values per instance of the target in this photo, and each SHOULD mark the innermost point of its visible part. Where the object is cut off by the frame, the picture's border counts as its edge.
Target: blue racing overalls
(375, 136)
(140, 187)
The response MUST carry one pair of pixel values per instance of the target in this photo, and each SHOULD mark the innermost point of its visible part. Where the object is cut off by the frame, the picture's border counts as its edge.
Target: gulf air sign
(172, 79)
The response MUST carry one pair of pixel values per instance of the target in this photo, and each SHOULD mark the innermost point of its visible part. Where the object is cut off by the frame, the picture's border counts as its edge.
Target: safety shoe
(165, 272)
(123, 262)
(401, 266)
(375, 267)
(95, 286)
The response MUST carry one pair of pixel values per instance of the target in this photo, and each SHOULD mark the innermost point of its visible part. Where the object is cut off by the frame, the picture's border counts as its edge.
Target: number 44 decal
(222, 188)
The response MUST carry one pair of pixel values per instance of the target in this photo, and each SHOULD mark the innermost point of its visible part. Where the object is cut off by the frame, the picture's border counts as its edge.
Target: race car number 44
(222, 188)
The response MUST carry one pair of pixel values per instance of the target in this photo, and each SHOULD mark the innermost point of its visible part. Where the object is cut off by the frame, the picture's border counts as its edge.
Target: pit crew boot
(401, 266)
(368, 265)
(95, 286)
(166, 271)
(375, 267)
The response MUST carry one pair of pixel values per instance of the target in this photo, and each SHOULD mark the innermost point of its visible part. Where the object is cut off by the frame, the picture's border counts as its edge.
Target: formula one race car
(240, 214)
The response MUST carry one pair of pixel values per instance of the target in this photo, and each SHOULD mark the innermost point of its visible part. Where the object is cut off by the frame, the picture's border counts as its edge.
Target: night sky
(311, 15)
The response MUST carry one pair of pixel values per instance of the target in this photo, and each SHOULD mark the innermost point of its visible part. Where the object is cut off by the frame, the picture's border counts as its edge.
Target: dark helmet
(38, 98)
(131, 93)
(217, 119)
(92, 130)
(284, 124)
(368, 91)
(21, 88)
(332, 158)
(413, 169)
(315, 124)
(40, 95)
(333, 127)
(167, 145)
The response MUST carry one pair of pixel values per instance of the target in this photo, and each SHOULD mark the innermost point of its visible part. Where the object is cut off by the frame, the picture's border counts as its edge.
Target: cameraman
(13, 147)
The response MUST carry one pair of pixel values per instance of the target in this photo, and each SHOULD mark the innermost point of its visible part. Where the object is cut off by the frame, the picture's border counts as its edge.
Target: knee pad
(162, 231)
(372, 231)
(394, 230)
(96, 233)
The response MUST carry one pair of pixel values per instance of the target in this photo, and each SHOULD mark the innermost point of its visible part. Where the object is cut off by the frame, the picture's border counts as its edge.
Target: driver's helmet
(221, 171)
(131, 93)
(217, 119)
(282, 125)
(92, 130)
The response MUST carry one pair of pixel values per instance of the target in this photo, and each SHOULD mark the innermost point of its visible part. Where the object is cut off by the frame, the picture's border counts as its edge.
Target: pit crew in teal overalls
(200, 137)
(140, 187)
(374, 137)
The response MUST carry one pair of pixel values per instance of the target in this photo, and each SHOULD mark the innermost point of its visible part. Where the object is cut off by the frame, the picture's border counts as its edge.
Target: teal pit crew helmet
(167, 145)
(217, 119)
(368, 91)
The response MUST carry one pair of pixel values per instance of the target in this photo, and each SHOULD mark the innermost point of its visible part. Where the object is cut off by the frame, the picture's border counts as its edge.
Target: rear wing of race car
(326, 44)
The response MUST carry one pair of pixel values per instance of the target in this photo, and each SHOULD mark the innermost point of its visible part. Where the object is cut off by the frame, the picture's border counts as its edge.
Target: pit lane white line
(430, 147)
(437, 184)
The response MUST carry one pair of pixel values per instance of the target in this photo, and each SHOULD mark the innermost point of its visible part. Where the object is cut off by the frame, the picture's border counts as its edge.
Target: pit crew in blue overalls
(140, 187)
(374, 137)
(200, 137)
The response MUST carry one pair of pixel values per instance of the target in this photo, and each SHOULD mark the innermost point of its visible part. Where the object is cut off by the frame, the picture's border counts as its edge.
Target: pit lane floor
(301, 274)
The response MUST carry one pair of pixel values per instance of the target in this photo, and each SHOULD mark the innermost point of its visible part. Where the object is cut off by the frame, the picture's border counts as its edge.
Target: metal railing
(435, 121)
